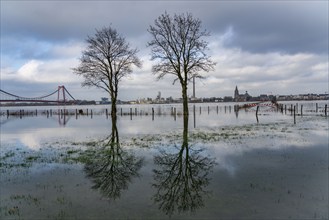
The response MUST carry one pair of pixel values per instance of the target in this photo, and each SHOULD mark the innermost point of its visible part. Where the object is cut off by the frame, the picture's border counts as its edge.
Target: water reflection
(181, 177)
(112, 168)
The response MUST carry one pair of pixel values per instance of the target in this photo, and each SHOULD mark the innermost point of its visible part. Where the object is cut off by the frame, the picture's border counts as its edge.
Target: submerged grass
(83, 152)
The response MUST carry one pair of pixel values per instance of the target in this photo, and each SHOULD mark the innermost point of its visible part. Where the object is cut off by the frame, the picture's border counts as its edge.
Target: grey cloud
(260, 26)
(290, 27)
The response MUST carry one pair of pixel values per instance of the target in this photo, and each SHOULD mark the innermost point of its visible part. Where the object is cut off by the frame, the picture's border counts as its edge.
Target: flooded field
(151, 162)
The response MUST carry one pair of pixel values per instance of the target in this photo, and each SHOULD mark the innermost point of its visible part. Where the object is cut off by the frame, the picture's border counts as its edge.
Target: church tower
(236, 94)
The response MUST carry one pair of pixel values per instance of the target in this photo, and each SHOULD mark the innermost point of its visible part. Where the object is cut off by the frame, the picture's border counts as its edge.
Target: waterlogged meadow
(215, 164)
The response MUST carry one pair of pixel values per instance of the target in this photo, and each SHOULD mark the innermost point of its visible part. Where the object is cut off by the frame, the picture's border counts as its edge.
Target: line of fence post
(283, 108)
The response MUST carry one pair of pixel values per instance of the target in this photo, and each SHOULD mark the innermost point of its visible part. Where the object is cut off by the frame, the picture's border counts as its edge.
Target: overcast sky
(263, 47)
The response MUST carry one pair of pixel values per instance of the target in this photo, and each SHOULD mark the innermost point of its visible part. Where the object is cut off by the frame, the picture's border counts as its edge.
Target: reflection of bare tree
(182, 177)
(111, 168)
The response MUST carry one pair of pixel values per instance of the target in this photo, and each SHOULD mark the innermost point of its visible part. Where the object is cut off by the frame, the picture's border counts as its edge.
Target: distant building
(104, 101)
(236, 94)
(264, 97)
(158, 96)
(241, 97)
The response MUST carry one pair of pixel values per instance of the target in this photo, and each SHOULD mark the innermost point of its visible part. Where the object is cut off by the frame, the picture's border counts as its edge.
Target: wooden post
(294, 114)
(91, 113)
(175, 114)
(87, 112)
(225, 109)
(7, 113)
(325, 110)
(51, 112)
(47, 114)
(291, 110)
(200, 110)
(316, 107)
(257, 113)
(301, 110)
(36, 112)
(194, 122)
(296, 107)
(121, 111)
(285, 109)
(152, 114)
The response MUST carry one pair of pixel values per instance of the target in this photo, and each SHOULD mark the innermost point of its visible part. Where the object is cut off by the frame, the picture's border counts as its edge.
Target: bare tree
(177, 43)
(107, 59)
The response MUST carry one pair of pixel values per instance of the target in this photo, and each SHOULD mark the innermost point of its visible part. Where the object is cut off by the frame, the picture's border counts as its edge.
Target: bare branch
(178, 46)
(107, 59)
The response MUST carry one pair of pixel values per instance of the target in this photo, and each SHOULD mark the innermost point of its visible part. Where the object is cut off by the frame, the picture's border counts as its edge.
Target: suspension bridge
(61, 96)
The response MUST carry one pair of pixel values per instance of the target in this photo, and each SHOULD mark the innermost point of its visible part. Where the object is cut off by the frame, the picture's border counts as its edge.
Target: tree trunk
(113, 107)
(185, 131)
(185, 100)
(113, 103)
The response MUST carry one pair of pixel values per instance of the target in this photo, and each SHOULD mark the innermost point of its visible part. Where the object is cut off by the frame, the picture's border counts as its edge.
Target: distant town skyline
(268, 47)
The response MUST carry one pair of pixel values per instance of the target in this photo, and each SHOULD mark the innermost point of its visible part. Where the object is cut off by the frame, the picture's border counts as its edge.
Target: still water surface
(218, 165)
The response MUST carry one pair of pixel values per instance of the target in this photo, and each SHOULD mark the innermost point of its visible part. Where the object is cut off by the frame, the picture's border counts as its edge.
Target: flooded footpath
(216, 164)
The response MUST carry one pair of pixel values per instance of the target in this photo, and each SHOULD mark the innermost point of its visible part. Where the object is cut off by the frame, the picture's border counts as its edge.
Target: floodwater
(217, 164)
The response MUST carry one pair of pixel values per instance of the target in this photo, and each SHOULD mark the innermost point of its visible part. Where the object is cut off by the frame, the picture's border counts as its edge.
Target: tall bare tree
(107, 59)
(177, 43)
